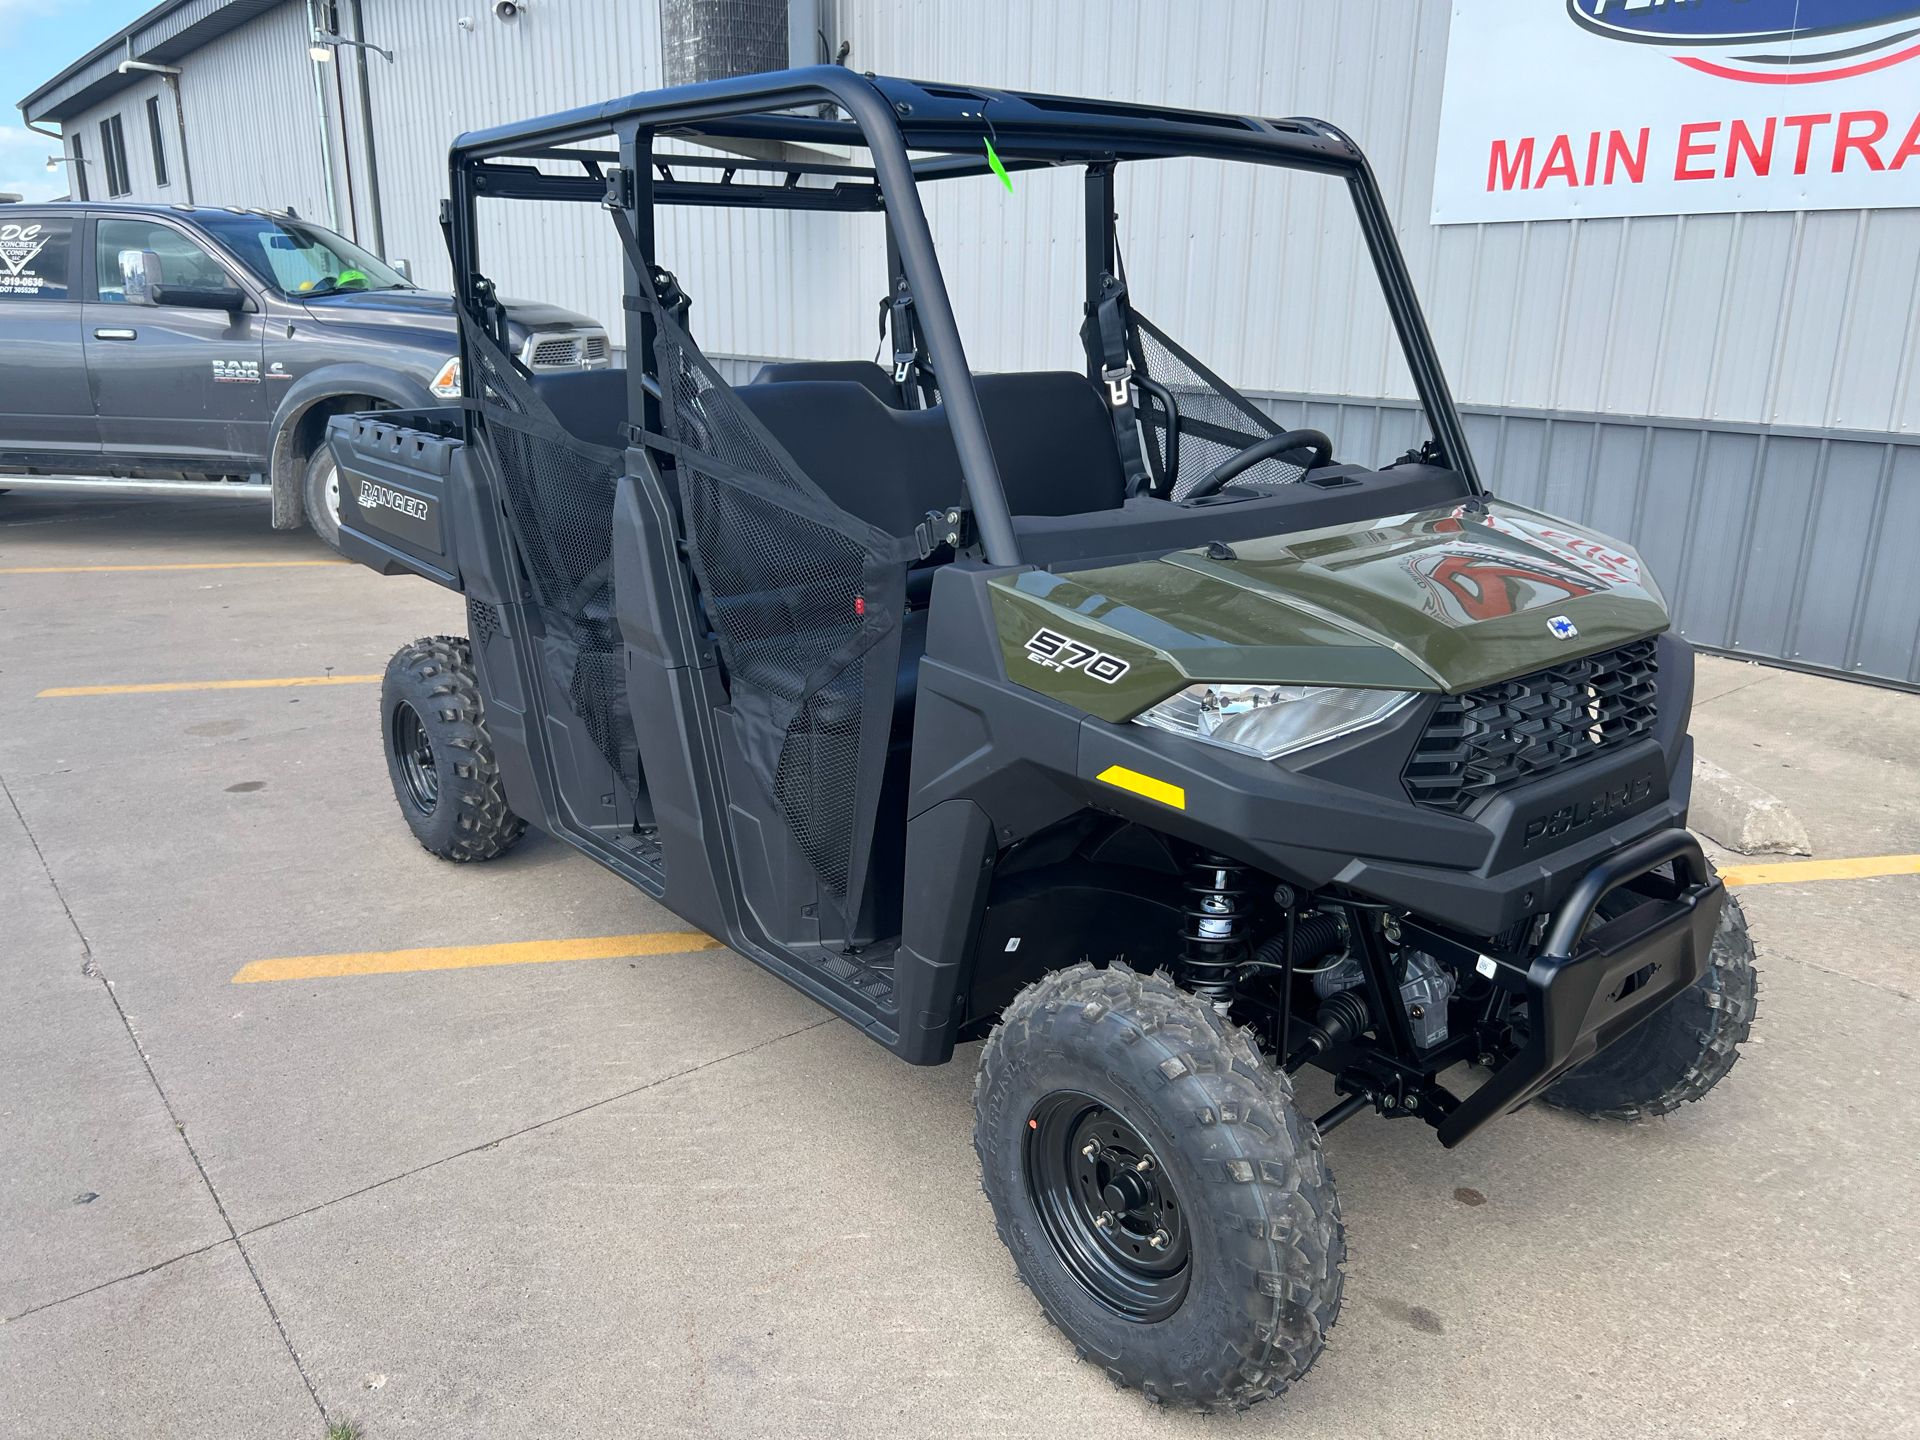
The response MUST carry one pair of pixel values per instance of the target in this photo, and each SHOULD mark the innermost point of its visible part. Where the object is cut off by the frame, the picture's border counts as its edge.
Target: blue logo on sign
(1771, 41)
(1562, 628)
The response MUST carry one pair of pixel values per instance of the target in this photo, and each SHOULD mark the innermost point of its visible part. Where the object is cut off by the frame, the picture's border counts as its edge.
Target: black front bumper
(1590, 984)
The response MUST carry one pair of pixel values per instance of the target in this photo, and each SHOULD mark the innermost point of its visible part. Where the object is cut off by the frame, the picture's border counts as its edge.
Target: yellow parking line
(465, 957)
(165, 686)
(196, 565)
(1792, 872)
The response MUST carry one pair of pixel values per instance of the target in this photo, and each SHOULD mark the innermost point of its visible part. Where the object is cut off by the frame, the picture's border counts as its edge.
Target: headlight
(446, 384)
(1270, 720)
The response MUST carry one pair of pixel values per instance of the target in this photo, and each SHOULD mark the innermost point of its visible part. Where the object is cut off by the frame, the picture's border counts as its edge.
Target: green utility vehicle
(1091, 713)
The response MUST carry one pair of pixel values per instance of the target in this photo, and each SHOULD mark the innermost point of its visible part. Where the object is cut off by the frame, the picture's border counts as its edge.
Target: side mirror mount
(139, 276)
(405, 267)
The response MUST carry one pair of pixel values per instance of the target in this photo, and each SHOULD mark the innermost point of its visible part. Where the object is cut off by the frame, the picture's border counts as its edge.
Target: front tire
(439, 755)
(1161, 1194)
(1684, 1049)
(320, 492)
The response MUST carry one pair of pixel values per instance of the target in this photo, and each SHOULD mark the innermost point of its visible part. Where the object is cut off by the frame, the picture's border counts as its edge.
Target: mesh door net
(805, 601)
(1216, 421)
(559, 494)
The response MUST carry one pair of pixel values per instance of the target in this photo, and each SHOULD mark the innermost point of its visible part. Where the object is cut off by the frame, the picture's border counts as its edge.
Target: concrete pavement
(666, 1195)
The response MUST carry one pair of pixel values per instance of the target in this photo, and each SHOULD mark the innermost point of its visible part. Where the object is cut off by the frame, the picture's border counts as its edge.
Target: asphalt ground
(591, 1186)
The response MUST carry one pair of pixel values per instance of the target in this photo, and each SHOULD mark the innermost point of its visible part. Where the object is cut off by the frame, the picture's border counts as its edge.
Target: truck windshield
(302, 260)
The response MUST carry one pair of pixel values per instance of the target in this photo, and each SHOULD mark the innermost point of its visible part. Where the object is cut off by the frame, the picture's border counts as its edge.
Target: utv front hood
(1445, 599)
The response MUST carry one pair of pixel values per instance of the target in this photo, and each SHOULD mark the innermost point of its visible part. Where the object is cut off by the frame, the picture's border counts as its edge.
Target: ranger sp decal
(1054, 651)
(383, 497)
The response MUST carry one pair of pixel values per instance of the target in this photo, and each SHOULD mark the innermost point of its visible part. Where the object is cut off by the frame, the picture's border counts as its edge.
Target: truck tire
(439, 756)
(1161, 1195)
(320, 492)
(1684, 1049)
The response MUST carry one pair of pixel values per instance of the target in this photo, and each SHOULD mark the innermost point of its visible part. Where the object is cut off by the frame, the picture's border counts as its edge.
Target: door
(46, 408)
(173, 384)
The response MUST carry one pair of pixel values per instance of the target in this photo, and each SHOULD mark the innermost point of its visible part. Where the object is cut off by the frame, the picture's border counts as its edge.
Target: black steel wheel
(413, 749)
(439, 755)
(1159, 1191)
(1108, 1206)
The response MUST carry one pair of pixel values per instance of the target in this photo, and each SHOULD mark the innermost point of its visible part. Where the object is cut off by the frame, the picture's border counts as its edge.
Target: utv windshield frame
(890, 118)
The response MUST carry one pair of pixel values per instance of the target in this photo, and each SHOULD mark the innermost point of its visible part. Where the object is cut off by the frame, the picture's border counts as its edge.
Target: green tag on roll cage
(998, 169)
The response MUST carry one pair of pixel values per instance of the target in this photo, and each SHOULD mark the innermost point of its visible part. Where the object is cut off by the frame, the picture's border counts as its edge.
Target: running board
(107, 485)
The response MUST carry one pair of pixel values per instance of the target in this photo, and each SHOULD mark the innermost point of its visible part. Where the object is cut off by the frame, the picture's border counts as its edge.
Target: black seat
(592, 404)
(1052, 441)
(865, 373)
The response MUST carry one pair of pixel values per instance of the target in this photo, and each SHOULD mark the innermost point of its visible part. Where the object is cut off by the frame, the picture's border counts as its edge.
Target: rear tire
(1684, 1049)
(1215, 1276)
(439, 756)
(320, 493)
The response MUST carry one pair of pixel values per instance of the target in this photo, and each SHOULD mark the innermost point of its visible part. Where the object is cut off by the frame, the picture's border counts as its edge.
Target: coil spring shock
(1216, 927)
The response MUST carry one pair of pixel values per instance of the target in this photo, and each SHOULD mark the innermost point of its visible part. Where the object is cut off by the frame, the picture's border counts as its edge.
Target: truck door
(173, 384)
(46, 409)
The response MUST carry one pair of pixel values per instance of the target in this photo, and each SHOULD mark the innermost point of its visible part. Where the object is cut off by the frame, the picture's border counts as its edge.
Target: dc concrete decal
(1675, 107)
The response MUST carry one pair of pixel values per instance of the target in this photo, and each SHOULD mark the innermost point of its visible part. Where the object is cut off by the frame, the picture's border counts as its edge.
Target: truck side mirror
(405, 267)
(139, 275)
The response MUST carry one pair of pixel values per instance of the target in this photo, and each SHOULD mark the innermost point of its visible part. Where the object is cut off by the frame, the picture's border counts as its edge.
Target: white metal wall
(253, 123)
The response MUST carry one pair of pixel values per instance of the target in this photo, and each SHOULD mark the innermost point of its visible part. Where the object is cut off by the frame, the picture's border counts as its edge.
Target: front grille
(566, 350)
(1491, 739)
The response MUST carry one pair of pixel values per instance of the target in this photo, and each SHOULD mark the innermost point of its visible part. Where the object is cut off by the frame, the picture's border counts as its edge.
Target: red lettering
(1805, 124)
(1634, 161)
(1846, 140)
(1559, 164)
(1593, 155)
(1740, 141)
(1506, 169)
(1692, 149)
(1909, 147)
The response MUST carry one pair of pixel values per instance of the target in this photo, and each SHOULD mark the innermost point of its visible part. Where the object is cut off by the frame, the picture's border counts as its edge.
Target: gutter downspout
(326, 126)
(375, 222)
(170, 74)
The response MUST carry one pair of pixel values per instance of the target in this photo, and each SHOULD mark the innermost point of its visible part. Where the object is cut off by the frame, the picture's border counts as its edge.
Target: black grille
(1488, 740)
(483, 622)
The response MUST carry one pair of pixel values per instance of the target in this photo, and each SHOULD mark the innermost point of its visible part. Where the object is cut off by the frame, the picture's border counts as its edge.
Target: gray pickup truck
(201, 350)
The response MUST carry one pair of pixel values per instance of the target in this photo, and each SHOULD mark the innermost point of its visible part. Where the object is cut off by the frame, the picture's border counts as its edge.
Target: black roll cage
(889, 117)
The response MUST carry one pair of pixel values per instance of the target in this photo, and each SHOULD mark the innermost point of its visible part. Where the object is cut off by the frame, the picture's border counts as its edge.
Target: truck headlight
(446, 384)
(1270, 720)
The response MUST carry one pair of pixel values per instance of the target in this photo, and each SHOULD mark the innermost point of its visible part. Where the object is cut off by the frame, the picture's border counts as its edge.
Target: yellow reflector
(1145, 785)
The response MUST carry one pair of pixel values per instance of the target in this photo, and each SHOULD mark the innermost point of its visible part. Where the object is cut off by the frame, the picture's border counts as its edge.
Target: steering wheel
(1211, 482)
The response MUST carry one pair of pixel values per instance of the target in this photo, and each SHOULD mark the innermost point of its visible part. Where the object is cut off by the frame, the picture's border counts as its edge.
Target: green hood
(1445, 599)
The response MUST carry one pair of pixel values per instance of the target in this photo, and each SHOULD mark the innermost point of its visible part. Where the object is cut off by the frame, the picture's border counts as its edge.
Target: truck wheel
(1162, 1196)
(439, 755)
(321, 494)
(1684, 1049)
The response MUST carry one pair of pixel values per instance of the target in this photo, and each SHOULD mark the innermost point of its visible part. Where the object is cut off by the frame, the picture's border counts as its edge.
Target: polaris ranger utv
(1094, 715)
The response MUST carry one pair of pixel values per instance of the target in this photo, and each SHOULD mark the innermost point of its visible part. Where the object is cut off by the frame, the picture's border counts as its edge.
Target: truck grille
(1491, 739)
(566, 350)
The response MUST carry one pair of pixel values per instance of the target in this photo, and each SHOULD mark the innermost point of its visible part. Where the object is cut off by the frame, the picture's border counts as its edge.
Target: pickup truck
(202, 350)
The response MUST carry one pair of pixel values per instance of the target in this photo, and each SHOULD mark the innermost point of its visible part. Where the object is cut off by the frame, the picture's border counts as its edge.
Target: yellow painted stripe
(165, 686)
(196, 565)
(1793, 872)
(1125, 779)
(467, 957)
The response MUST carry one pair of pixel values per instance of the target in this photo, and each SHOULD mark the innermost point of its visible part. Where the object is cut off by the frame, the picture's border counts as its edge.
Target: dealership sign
(1562, 108)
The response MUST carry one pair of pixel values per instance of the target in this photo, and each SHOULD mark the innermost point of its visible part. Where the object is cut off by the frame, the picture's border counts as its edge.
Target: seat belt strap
(1116, 369)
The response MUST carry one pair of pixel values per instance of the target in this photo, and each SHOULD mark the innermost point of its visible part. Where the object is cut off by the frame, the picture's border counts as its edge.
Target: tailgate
(395, 469)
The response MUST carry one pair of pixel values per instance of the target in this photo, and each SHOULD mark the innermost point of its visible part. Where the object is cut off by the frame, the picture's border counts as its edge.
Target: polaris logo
(1562, 628)
(382, 497)
(1764, 41)
(1582, 814)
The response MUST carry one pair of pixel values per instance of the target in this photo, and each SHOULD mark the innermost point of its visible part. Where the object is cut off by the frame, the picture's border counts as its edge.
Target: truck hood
(432, 310)
(1445, 599)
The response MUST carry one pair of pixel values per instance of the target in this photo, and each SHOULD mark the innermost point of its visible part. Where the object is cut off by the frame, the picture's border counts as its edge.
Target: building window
(153, 134)
(113, 149)
(80, 170)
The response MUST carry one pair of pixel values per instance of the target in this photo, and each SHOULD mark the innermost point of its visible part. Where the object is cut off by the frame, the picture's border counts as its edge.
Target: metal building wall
(253, 124)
